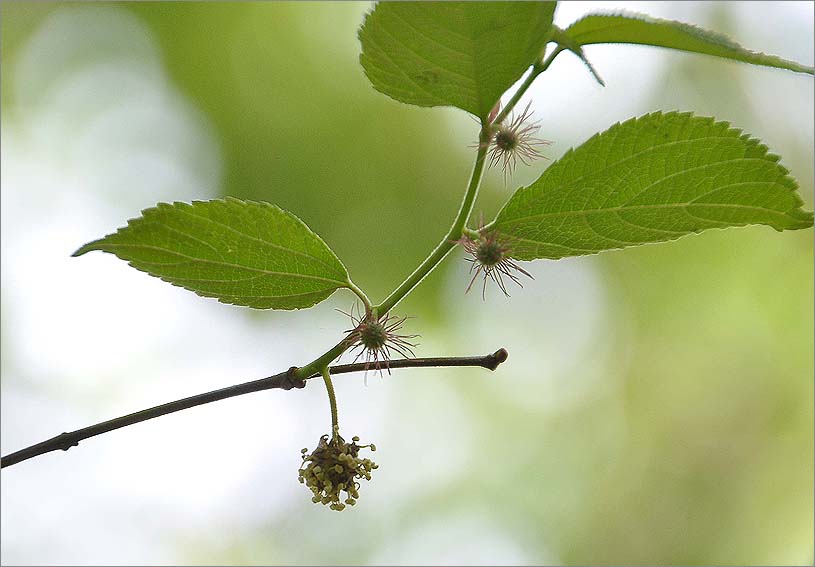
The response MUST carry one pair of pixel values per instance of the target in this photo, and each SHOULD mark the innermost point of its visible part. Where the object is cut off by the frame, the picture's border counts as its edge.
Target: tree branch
(285, 381)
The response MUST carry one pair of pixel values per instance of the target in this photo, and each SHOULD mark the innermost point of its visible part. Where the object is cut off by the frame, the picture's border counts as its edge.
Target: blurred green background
(657, 406)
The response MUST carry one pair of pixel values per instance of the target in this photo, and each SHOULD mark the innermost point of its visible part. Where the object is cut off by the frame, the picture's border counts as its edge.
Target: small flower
(515, 141)
(490, 257)
(334, 467)
(378, 338)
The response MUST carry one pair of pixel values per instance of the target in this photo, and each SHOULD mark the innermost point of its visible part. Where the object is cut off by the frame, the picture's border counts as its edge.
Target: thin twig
(285, 380)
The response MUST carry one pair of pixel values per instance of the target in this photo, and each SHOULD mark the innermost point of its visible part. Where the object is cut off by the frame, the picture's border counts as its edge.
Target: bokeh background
(657, 405)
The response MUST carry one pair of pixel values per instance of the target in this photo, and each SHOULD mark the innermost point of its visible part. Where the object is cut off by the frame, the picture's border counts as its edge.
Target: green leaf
(240, 252)
(565, 41)
(463, 54)
(644, 30)
(650, 179)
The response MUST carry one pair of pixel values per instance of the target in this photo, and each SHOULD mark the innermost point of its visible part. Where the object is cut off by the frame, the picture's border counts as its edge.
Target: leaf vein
(193, 260)
(260, 240)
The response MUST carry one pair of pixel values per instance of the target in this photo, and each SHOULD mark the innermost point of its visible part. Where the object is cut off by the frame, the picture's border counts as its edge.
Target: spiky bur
(489, 256)
(377, 339)
(334, 468)
(515, 140)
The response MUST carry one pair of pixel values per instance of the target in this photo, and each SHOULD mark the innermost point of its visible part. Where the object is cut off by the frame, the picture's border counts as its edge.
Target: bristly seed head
(489, 252)
(372, 335)
(490, 257)
(378, 339)
(515, 140)
(506, 140)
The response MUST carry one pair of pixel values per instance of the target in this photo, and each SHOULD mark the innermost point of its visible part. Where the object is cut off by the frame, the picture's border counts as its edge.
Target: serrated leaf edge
(96, 245)
(364, 62)
(804, 218)
(704, 32)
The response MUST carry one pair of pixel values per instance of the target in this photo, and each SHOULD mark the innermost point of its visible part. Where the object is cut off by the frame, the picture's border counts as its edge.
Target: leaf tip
(85, 248)
(807, 220)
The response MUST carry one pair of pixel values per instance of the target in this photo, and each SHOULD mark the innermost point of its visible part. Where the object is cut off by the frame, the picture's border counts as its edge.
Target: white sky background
(73, 326)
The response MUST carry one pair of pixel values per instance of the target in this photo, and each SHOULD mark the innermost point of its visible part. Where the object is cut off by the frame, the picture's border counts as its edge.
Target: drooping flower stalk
(334, 466)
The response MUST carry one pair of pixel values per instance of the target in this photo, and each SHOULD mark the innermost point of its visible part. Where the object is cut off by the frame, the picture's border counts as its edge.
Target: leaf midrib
(627, 158)
(264, 242)
(640, 207)
(193, 260)
(685, 172)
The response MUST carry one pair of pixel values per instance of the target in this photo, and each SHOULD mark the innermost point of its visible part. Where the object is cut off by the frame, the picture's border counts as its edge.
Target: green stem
(545, 65)
(304, 372)
(538, 68)
(530, 78)
(453, 235)
(472, 234)
(332, 399)
(447, 243)
(361, 295)
(438, 254)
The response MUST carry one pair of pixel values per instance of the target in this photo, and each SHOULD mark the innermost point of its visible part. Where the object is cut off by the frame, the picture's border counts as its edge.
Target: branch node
(64, 443)
(291, 380)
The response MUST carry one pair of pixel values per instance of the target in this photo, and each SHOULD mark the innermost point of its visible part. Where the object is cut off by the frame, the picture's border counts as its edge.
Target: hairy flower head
(377, 339)
(513, 140)
(490, 256)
